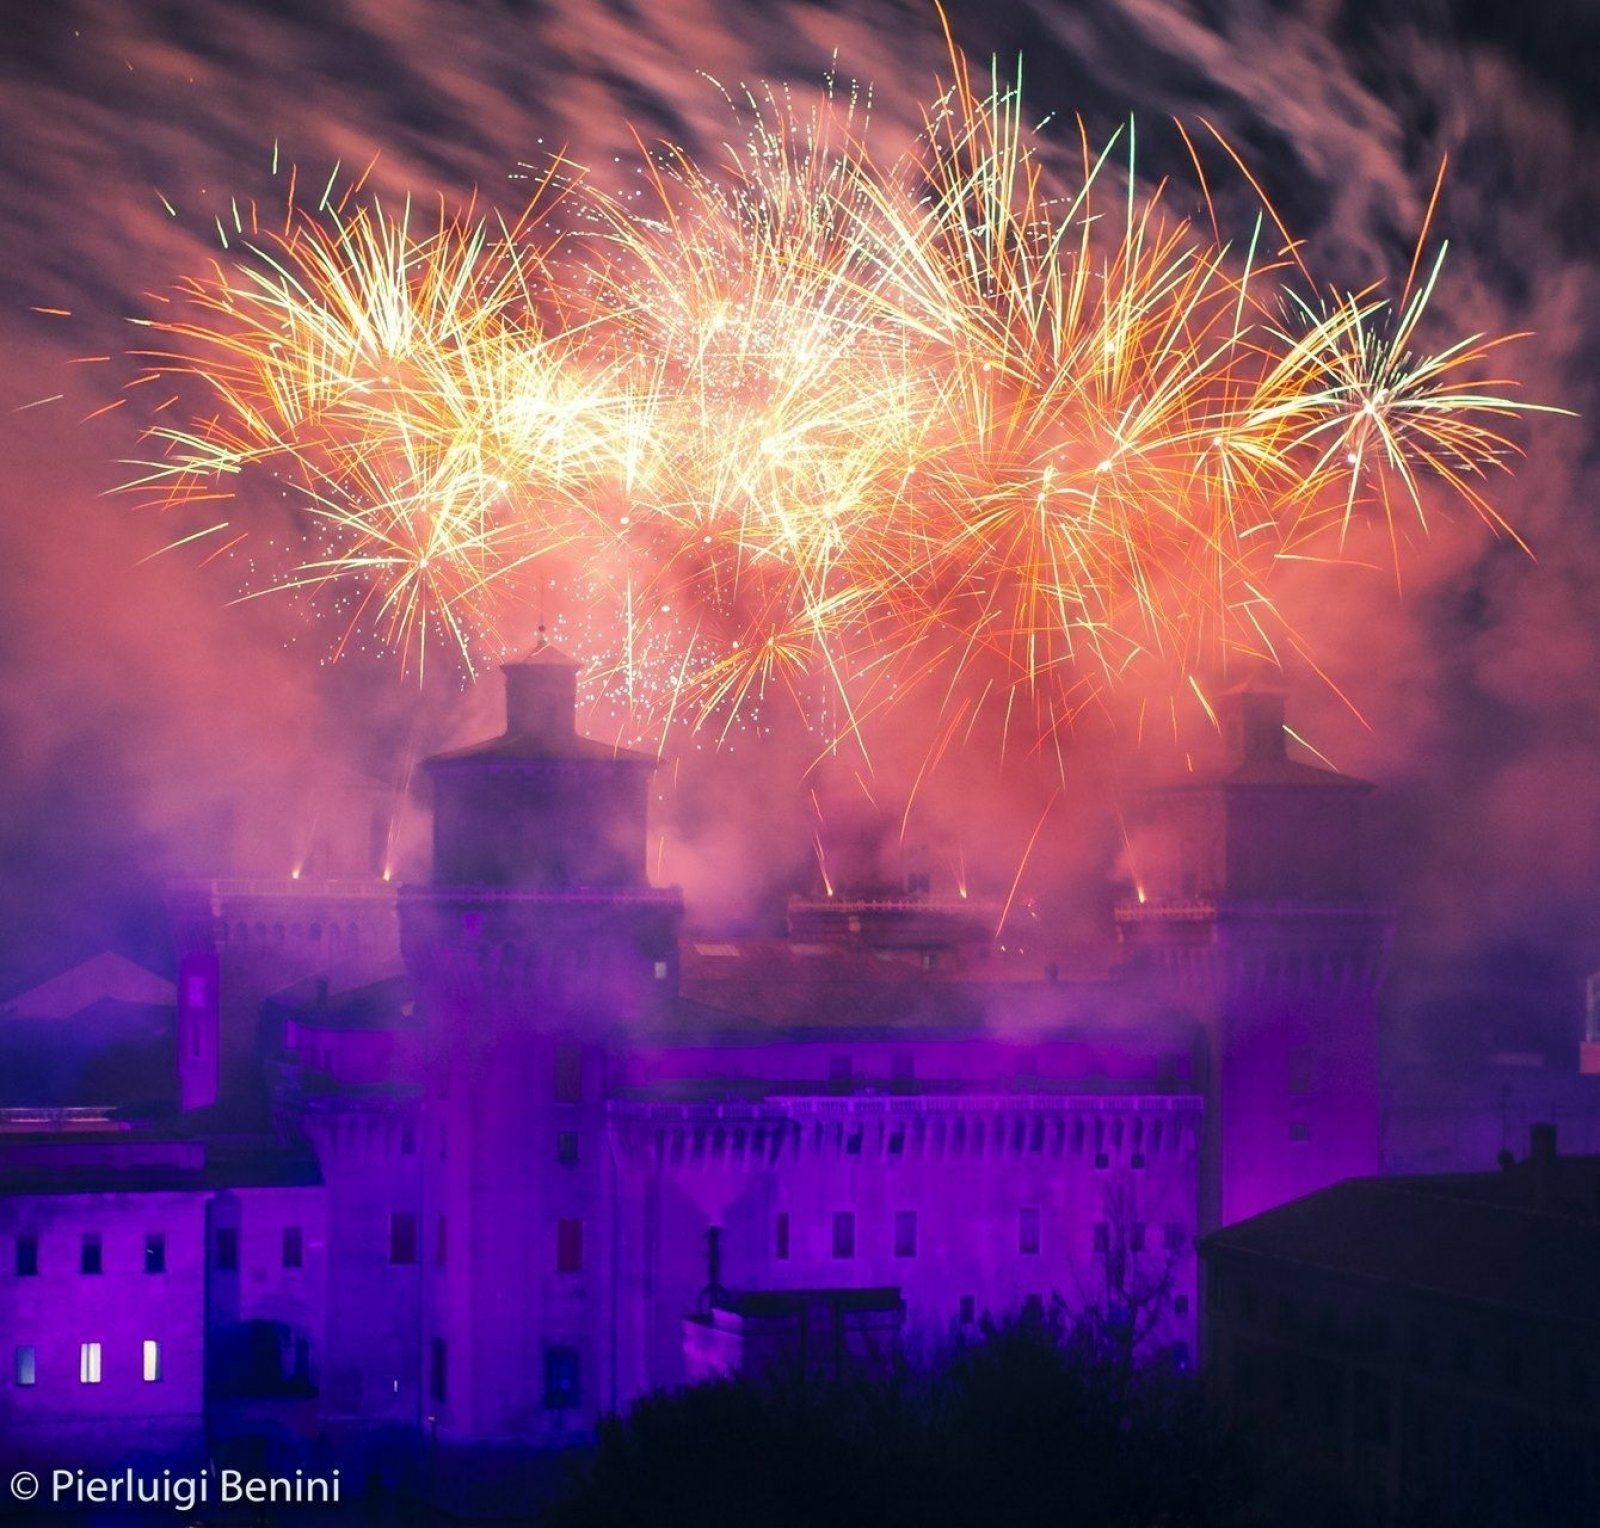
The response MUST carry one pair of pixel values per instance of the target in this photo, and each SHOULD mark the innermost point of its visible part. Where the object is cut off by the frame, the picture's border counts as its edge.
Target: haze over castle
(484, 1158)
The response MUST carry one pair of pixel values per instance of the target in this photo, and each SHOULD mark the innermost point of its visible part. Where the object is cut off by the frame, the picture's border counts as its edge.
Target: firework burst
(802, 426)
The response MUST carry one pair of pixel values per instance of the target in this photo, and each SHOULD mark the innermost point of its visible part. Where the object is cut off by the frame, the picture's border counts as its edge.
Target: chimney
(1542, 1159)
(541, 693)
(1252, 725)
(713, 1289)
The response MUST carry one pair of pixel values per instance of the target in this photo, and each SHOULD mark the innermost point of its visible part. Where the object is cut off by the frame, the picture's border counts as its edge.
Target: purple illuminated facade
(524, 1151)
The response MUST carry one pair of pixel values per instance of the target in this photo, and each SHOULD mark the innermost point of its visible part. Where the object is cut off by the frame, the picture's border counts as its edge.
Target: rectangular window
(780, 1238)
(152, 1361)
(27, 1256)
(441, 1243)
(89, 1363)
(569, 1246)
(438, 1371)
(27, 1366)
(560, 1379)
(402, 1237)
(567, 1148)
(91, 1259)
(905, 1233)
(1300, 1073)
(155, 1252)
(1299, 1131)
(663, 970)
(569, 1073)
(844, 1234)
(294, 1247)
(227, 1249)
(1028, 1232)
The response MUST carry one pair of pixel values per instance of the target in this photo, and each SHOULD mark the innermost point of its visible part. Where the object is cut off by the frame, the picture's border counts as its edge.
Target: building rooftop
(1255, 742)
(1524, 1239)
(132, 1161)
(323, 1003)
(106, 975)
(111, 1052)
(541, 720)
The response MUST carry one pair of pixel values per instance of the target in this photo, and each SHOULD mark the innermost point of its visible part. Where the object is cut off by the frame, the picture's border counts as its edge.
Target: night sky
(133, 694)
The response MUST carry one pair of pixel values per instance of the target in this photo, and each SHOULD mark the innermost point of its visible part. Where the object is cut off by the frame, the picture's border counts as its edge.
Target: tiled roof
(1491, 1239)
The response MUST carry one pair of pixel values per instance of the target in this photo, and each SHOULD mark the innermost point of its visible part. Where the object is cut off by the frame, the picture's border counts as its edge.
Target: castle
(521, 1152)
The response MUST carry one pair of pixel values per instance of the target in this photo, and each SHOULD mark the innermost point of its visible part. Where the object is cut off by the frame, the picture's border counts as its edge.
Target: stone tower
(538, 939)
(1251, 912)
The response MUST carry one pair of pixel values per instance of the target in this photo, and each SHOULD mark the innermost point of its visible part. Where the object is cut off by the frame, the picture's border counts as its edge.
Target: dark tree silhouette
(1041, 1420)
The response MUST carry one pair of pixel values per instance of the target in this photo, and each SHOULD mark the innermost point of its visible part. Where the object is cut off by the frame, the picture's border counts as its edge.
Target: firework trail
(810, 429)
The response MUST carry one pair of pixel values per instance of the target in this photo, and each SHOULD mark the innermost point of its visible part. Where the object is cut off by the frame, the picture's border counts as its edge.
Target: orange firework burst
(809, 425)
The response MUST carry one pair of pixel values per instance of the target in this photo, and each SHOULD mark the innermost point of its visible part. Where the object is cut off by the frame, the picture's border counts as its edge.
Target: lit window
(152, 1360)
(1300, 1073)
(663, 970)
(294, 1248)
(89, 1363)
(27, 1366)
(1028, 1232)
(567, 1148)
(227, 1249)
(402, 1237)
(780, 1240)
(844, 1234)
(155, 1252)
(27, 1256)
(560, 1379)
(91, 1259)
(569, 1246)
(905, 1233)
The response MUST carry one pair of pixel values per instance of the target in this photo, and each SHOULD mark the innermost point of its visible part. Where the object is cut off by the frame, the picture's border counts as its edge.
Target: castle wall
(371, 1165)
(64, 1417)
(971, 1205)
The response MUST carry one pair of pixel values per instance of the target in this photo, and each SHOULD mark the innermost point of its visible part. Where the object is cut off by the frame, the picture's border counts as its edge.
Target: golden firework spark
(803, 424)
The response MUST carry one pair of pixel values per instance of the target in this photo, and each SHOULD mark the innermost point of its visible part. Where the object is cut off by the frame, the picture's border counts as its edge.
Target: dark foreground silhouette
(1034, 1422)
